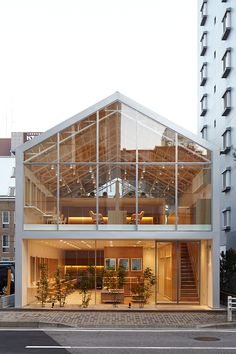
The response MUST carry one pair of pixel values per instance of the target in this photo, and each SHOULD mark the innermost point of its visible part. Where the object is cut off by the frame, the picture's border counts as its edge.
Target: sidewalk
(113, 319)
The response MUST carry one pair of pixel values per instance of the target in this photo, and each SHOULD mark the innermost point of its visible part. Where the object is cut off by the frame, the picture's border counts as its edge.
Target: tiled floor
(115, 319)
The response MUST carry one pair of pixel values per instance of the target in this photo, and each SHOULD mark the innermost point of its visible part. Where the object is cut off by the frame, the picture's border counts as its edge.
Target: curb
(32, 325)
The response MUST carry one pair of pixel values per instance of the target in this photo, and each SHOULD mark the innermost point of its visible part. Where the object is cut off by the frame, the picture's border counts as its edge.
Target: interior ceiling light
(71, 166)
(77, 180)
(52, 167)
(90, 169)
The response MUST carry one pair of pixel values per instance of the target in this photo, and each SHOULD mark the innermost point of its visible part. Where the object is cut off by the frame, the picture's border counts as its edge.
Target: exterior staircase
(188, 283)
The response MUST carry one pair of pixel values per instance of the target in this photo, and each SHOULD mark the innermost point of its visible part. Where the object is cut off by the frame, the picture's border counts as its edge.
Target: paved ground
(112, 319)
(117, 341)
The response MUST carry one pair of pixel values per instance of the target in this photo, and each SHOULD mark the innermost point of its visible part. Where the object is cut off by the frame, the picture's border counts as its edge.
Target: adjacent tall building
(217, 97)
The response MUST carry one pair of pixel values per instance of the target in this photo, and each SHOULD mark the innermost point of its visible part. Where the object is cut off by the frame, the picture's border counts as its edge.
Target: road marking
(122, 330)
(122, 348)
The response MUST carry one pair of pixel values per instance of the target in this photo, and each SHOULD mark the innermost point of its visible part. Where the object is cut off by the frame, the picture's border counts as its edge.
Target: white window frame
(226, 141)
(203, 41)
(226, 101)
(226, 62)
(203, 11)
(226, 24)
(204, 132)
(3, 217)
(5, 259)
(226, 179)
(226, 213)
(4, 236)
(203, 102)
(203, 73)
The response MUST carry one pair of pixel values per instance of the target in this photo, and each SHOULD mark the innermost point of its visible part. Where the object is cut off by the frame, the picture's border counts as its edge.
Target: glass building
(119, 185)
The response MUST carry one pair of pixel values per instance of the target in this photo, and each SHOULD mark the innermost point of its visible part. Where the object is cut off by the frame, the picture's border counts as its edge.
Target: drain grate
(207, 339)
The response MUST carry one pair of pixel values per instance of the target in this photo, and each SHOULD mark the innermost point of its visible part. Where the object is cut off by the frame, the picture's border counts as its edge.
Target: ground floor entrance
(112, 272)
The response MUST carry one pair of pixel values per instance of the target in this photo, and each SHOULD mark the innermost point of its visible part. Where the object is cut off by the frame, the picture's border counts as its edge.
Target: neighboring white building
(217, 98)
(117, 184)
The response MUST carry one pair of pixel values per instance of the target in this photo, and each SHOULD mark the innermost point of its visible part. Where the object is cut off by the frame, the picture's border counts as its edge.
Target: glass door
(177, 269)
(167, 274)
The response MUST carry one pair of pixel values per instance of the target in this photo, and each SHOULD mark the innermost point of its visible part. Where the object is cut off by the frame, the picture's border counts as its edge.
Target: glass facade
(117, 169)
(175, 267)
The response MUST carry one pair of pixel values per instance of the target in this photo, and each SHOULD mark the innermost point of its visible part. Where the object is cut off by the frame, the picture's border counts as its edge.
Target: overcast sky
(58, 57)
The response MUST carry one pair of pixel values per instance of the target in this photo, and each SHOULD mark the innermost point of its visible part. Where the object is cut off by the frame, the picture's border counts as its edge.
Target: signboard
(30, 135)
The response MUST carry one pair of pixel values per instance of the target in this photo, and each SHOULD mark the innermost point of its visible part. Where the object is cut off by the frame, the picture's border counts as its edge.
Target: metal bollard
(229, 308)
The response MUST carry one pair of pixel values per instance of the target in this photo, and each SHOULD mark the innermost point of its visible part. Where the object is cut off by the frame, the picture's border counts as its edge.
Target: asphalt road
(62, 341)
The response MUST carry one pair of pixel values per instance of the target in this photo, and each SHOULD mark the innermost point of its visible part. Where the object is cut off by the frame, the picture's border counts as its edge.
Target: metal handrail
(231, 307)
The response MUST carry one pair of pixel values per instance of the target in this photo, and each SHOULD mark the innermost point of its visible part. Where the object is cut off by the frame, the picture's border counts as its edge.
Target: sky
(59, 57)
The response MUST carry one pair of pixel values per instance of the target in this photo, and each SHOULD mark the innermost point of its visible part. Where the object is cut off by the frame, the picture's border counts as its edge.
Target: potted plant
(87, 282)
(60, 287)
(113, 282)
(142, 291)
(42, 285)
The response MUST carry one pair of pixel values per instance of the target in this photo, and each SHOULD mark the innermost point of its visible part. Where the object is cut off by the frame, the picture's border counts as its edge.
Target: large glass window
(156, 202)
(116, 169)
(156, 143)
(117, 194)
(78, 142)
(194, 195)
(77, 195)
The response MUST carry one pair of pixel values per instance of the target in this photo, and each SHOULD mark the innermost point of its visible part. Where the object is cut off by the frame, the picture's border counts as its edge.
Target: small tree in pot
(143, 289)
(42, 286)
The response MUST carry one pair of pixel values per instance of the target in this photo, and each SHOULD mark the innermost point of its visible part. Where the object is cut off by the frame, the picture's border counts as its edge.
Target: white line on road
(122, 348)
(122, 330)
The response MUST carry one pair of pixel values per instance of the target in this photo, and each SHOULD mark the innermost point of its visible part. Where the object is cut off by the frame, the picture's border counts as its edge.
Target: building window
(226, 102)
(5, 217)
(226, 61)
(204, 132)
(203, 73)
(13, 172)
(226, 23)
(214, 123)
(214, 54)
(226, 141)
(214, 20)
(11, 191)
(226, 179)
(203, 102)
(214, 88)
(226, 219)
(203, 11)
(5, 243)
(5, 259)
(203, 41)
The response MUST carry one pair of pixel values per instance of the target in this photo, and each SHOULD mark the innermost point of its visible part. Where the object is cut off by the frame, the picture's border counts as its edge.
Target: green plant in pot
(113, 281)
(42, 285)
(61, 289)
(87, 282)
(142, 290)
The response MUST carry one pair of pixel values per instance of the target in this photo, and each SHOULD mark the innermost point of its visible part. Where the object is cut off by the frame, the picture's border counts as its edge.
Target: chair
(133, 217)
(62, 219)
(94, 217)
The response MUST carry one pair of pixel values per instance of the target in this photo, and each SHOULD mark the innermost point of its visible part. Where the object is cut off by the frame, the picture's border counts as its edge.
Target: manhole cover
(207, 339)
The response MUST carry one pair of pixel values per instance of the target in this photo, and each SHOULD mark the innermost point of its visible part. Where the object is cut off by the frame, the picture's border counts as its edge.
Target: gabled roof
(117, 96)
